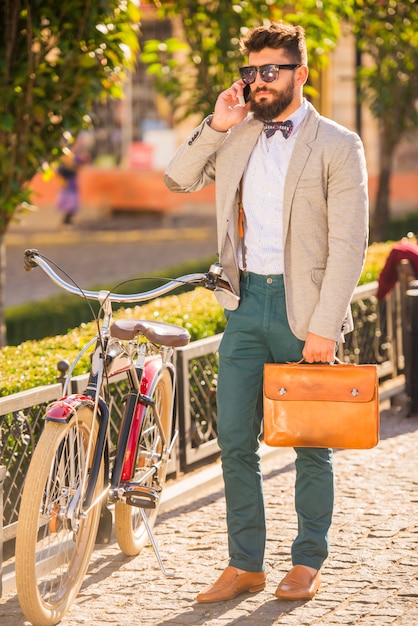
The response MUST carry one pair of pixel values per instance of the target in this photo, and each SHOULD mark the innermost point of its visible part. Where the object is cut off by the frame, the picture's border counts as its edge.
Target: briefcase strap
(241, 227)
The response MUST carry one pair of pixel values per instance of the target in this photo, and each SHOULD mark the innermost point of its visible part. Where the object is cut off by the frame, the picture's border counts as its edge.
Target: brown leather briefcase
(321, 405)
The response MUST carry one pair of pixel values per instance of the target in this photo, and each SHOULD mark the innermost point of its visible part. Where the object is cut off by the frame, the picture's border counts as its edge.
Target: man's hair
(277, 35)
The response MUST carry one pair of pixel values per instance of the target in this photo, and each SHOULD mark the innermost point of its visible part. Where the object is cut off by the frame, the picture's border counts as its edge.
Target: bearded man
(293, 255)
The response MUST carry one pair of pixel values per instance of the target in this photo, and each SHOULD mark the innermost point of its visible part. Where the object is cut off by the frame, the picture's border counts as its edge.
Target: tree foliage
(192, 70)
(55, 59)
(387, 32)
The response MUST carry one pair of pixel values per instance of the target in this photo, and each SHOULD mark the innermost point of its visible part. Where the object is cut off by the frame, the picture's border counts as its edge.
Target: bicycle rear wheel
(131, 533)
(55, 538)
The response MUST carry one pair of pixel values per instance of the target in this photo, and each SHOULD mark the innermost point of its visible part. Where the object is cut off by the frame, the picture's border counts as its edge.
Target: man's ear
(302, 74)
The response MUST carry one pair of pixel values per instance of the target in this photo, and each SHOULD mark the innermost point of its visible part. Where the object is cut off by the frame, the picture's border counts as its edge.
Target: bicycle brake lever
(29, 263)
(225, 294)
(209, 282)
(215, 280)
(213, 276)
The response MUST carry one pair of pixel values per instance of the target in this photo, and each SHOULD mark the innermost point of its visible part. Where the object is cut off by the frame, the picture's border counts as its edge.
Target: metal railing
(197, 371)
(21, 423)
(377, 338)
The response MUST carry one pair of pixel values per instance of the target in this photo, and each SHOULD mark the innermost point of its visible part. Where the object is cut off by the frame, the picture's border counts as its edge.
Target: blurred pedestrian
(68, 200)
(406, 249)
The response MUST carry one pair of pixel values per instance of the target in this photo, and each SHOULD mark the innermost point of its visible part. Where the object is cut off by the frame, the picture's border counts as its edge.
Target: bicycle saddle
(160, 333)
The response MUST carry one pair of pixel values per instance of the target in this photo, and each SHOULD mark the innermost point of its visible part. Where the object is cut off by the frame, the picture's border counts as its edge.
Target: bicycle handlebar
(208, 280)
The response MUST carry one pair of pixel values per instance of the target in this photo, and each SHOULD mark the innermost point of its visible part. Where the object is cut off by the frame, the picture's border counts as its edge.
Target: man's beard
(266, 111)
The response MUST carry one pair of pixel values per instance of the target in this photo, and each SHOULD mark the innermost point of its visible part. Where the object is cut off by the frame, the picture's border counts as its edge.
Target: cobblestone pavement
(371, 577)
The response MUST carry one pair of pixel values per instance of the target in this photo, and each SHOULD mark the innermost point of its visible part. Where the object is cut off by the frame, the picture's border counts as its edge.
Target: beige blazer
(325, 214)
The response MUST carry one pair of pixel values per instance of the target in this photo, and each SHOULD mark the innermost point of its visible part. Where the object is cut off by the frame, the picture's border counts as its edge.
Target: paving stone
(370, 579)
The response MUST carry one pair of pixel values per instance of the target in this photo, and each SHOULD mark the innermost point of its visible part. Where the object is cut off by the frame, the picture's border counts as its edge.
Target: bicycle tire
(131, 533)
(52, 550)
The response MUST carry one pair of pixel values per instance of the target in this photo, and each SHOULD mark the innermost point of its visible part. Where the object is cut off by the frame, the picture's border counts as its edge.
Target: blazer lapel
(300, 155)
(233, 159)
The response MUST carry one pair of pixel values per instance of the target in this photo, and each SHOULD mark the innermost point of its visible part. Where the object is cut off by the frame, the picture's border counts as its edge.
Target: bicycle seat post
(166, 354)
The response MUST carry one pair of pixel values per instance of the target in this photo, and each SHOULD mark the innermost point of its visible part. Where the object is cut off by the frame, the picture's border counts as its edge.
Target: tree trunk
(3, 339)
(381, 216)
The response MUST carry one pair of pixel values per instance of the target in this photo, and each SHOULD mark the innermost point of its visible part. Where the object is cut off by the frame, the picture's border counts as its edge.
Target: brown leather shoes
(299, 584)
(231, 583)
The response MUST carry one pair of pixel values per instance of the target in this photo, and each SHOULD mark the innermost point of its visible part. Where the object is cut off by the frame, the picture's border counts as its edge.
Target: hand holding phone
(230, 107)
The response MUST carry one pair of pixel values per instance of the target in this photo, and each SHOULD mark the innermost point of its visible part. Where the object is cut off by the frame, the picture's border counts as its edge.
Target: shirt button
(269, 281)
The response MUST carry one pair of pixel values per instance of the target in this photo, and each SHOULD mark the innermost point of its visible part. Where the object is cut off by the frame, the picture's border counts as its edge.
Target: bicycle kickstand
(167, 574)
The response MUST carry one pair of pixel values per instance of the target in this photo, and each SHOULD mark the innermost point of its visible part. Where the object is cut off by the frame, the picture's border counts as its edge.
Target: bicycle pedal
(142, 497)
(140, 503)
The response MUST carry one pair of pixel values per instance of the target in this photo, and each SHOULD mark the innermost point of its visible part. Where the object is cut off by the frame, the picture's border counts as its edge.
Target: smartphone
(244, 99)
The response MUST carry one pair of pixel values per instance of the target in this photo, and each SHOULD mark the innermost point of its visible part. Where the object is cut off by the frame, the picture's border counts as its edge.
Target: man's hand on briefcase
(318, 349)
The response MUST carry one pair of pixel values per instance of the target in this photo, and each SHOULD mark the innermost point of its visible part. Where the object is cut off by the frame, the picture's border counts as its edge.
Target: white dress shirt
(263, 186)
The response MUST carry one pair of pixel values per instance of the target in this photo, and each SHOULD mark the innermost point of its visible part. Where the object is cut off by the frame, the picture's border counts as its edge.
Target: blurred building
(138, 132)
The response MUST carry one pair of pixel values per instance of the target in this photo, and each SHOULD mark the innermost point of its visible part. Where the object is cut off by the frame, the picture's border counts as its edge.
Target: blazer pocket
(317, 274)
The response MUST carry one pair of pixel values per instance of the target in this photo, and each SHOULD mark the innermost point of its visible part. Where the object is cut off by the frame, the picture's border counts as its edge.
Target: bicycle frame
(110, 357)
(76, 471)
(142, 376)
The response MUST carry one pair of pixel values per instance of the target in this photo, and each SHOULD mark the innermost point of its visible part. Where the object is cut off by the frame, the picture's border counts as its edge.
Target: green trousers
(256, 333)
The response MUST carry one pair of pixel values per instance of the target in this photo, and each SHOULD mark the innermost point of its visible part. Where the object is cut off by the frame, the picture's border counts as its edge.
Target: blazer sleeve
(193, 165)
(347, 218)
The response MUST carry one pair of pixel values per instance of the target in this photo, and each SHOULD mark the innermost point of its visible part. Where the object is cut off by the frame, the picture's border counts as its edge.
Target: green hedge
(33, 363)
(58, 314)
(400, 226)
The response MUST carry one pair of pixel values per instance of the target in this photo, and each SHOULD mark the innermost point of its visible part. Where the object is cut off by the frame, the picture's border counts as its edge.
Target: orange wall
(103, 190)
(403, 190)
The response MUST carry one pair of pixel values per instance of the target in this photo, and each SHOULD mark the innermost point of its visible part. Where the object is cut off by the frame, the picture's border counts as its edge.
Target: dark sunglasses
(268, 73)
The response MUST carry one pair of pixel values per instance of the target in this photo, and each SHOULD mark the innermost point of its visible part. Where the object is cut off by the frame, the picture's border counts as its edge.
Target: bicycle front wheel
(55, 536)
(131, 533)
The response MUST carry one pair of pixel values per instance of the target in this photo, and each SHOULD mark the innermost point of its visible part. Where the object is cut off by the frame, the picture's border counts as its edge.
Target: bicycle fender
(61, 410)
(151, 369)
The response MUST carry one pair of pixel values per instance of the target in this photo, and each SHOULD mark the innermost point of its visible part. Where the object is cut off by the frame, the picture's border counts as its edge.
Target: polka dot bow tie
(271, 127)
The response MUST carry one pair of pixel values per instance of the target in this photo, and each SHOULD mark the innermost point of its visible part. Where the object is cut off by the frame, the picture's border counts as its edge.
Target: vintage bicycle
(76, 473)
